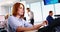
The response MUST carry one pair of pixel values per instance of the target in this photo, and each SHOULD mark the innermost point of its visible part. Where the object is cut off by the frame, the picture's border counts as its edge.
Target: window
(57, 8)
(36, 8)
(46, 9)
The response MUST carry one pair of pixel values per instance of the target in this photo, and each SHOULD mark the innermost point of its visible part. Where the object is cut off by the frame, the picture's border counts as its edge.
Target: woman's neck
(18, 16)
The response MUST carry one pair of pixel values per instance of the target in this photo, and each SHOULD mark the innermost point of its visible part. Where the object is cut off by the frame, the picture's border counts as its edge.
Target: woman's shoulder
(10, 17)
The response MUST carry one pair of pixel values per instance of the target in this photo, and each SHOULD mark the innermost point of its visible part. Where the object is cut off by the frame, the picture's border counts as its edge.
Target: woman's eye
(20, 7)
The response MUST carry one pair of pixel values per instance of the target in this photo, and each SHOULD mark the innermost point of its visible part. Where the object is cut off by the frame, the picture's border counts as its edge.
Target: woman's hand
(45, 23)
(35, 27)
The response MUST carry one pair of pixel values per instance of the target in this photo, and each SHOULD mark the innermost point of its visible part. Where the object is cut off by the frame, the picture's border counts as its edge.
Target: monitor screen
(47, 2)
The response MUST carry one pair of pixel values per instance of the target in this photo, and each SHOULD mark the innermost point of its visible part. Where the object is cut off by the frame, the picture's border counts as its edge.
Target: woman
(16, 21)
(6, 22)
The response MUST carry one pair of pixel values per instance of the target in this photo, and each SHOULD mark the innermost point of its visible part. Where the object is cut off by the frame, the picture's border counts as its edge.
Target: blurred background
(40, 10)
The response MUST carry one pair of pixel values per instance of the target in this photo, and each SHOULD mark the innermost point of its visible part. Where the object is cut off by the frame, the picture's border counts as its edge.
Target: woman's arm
(35, 27)
(24, 29)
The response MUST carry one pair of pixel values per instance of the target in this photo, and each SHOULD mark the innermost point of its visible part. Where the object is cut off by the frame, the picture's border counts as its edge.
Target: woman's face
(20, 10)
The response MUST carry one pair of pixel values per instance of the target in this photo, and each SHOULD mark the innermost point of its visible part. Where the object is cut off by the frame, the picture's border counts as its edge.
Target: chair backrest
(9, 28)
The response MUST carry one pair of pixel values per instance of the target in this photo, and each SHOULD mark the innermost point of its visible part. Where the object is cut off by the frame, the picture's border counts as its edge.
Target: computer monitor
(47, 2)
(57, 15)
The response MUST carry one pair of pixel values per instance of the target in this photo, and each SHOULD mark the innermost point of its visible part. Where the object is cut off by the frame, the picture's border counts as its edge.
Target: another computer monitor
(47, 2)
